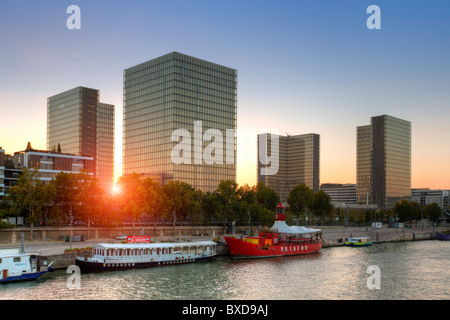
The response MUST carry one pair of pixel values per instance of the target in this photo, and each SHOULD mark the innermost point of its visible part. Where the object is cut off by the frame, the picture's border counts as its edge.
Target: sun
(116, 189)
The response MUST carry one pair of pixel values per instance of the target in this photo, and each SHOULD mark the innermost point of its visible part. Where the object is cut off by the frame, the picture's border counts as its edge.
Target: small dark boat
(443, 236)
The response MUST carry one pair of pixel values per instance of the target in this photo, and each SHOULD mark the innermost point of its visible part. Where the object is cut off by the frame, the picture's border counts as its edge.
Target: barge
(112, 256)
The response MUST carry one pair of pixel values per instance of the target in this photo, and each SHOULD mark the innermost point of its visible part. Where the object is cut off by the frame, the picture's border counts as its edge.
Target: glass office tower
(79, 124)
(299, 163)
(384, 171)
(364, 164)
(179, 92)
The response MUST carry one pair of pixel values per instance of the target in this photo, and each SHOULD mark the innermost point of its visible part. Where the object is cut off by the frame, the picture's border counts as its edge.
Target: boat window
(17, 259)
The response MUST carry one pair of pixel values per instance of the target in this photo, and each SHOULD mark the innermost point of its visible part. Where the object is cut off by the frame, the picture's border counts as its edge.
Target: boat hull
(23, 277)
(242, 249)
(88, 266)
(358, 244)
(443, 237)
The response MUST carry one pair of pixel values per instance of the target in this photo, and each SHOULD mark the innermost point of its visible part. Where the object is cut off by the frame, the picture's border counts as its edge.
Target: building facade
(298, 162)
(384, 161)
(364, 164)
(340, 193)
(2, 172)
(427, 196)
(47, 163)
(77, 123)
(179, 93)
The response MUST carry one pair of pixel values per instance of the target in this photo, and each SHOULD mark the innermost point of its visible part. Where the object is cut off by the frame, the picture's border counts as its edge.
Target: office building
(340, 193)
(47, 163)
(2, 172)
(77, 123)
(384, 161)
(298, 162)
(179, 93)
(427, 196)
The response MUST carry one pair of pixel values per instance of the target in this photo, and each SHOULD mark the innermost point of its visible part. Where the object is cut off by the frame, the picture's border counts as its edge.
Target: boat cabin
(149, 252)
(359, 241)
(21, 266)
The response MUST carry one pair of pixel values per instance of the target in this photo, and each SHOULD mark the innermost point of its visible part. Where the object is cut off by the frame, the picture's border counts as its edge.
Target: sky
(303, 67)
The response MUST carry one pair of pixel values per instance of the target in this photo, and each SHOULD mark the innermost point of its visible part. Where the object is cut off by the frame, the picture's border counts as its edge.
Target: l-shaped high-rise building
(78, 123)
(298, 162)
(383, 161)
(178, 93)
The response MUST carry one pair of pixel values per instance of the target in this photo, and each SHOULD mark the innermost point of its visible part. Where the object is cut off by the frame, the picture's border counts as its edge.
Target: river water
(407, 270)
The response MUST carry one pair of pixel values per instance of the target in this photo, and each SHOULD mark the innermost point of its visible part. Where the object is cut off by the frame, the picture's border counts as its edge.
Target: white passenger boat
(16, 266)
(115, 256)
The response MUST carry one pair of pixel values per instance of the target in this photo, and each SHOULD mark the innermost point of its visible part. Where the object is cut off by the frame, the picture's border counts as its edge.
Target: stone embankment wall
(14, 236)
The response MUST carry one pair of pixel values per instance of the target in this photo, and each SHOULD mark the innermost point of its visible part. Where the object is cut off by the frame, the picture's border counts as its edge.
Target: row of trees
(72, 197)
(78, 197)
(409, 211)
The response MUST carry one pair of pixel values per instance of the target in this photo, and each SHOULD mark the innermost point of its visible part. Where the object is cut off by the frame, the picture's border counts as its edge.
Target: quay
(56, 250)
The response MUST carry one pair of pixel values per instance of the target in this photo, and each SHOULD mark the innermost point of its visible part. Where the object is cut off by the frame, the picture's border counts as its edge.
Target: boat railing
(148, 258)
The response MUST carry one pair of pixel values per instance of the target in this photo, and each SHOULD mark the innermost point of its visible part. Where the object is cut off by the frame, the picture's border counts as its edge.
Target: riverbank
(331, 237)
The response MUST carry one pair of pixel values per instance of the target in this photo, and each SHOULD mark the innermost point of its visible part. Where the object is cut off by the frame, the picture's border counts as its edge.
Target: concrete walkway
(331, 235)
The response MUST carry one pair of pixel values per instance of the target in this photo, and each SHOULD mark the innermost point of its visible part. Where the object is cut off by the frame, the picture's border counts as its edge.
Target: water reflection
(410, 270)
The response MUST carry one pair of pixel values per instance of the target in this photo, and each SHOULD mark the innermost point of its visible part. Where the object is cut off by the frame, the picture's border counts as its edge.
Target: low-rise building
(426, 196)
(340, 193)
(47, 163)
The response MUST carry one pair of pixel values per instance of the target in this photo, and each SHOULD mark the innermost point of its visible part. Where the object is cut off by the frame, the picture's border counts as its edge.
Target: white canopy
(282, 227)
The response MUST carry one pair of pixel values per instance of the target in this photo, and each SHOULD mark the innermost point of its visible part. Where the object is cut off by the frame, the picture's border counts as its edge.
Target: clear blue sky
(303, 66)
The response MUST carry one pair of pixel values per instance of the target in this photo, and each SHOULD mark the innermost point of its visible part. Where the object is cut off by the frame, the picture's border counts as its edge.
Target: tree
(299, 200)
(433, 211)
(132, 197)
(89, 197)
(65, 198)
(321, 205)
(27, 197)
(266, 196)
(179, 199)
(210, 205)
(228, 196)
(154, 202)
(407, 211)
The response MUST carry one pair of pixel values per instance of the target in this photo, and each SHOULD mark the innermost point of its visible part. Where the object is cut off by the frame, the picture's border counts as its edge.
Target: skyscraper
(179, 93)
(384, 161)
(78, 123)
(298, 162)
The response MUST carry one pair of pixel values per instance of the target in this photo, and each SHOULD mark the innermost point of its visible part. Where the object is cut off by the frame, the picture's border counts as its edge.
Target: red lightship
(281, 240)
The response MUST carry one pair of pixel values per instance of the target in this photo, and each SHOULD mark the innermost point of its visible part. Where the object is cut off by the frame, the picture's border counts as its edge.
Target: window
(17, 259)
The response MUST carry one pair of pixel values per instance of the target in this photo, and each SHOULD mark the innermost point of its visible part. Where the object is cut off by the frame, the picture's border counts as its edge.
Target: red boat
(281, 240)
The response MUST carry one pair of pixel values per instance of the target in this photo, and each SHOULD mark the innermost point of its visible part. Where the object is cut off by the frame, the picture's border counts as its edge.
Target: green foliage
(407, 211)
(300, 199)
(433, 211)
(321, 205)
